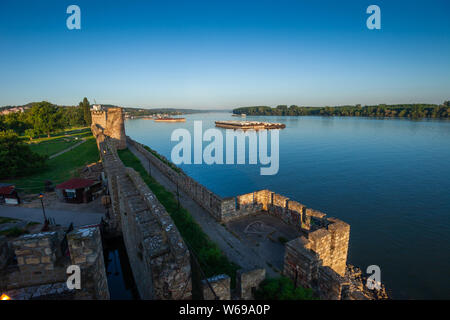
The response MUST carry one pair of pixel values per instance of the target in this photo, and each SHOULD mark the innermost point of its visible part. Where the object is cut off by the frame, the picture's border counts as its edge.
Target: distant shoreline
(411, 111)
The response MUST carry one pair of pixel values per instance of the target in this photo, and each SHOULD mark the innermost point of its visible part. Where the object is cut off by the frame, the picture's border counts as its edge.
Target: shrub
(16, 158)
(282, 288)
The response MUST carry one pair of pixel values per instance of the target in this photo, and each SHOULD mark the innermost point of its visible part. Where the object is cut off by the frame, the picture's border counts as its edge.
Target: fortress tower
(109, 123)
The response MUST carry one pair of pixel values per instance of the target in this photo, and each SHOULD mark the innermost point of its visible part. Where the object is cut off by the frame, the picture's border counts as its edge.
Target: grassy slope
(60, 168)
(211, 258)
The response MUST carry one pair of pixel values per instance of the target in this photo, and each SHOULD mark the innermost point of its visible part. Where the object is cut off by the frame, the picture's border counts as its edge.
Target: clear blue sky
(223, 54)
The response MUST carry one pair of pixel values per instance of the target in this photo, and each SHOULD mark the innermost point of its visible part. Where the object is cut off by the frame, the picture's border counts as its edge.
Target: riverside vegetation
(413, 111)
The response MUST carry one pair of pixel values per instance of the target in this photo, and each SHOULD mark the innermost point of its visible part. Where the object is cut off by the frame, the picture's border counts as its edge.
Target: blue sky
(224, 54)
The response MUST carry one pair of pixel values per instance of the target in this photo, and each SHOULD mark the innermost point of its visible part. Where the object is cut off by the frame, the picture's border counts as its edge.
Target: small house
(8, 194)
(77, 190)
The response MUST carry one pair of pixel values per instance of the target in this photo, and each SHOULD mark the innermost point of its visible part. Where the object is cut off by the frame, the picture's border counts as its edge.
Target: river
(388, 178)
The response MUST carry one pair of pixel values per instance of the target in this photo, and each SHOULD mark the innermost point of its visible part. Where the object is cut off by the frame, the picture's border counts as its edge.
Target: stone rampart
(110, 122)
(41, 265)
(248, 281)
(86, 251)
(159, 258)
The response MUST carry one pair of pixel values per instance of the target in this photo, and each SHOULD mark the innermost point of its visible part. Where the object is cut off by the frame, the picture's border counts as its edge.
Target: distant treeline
(46, 118)
(139, 112)
(413, 111)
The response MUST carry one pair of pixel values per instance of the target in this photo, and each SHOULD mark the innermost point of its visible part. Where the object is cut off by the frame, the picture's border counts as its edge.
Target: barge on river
(249, 125)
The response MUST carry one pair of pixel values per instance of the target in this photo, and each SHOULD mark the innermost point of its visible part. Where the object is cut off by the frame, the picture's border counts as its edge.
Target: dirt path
(66, 150)
(235, 250)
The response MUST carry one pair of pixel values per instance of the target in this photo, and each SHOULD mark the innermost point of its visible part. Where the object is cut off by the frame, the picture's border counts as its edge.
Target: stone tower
(109, 122)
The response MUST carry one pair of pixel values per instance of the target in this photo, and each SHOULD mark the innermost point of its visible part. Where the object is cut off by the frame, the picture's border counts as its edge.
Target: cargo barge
(170, 119)
(249, 125)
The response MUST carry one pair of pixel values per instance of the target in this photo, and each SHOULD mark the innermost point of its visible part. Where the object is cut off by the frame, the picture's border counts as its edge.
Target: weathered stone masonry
(41, 267)
(159, 258)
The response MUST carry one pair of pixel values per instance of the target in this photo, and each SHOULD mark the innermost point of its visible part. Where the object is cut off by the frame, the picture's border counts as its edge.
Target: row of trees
(405, 110)
(16, 157)
(46, 118)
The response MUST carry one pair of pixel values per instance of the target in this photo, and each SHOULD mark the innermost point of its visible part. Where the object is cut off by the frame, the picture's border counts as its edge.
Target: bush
(16, 158)
(282, 289)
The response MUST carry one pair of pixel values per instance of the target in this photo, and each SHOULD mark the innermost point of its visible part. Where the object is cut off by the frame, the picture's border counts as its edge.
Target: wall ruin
(41, 265)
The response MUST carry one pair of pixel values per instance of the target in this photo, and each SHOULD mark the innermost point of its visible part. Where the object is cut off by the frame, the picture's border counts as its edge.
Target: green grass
(163, 159)
(210, 257)
(282, 288)
(50, 147)
(60, 168)
(72, 132)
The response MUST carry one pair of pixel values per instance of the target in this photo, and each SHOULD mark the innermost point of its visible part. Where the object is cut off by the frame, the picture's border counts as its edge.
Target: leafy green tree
(45, 118)
(16, 158)
(86, 107)
(282, 288)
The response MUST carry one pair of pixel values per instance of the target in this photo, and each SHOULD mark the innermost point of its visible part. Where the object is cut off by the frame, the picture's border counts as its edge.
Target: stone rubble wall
(36, 255)
(41, 265)
(86, 251)
(111, 123)
(319, 260)
(247, 281)
(159, 258)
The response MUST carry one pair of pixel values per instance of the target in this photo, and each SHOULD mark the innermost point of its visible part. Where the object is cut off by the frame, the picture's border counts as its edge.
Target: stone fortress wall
(317, 259)
(159, 258)
(111, 123)
(34, 265)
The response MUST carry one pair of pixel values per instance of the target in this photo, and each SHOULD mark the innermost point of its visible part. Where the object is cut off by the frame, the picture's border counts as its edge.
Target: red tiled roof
(75, 183)
(7, 190)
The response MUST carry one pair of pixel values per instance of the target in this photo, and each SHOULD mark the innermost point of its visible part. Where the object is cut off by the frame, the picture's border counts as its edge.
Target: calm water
(388, 178)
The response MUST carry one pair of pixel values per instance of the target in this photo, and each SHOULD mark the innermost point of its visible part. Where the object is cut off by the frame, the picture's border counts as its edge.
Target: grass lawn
(60, 168)
(53, 146)
(210, 257)
(72, 132)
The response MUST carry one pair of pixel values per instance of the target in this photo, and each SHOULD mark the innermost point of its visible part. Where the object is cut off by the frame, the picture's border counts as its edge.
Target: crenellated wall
(159, 258)
(111, 123)
(41, 265)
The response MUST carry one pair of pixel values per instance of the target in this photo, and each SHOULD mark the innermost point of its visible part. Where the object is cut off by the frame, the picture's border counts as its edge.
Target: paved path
(68, 149)
(64, 218)
(235, 250)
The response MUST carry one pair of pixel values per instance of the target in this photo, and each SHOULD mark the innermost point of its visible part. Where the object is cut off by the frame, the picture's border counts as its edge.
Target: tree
(16, 158)
(86, 107)
(45, 118)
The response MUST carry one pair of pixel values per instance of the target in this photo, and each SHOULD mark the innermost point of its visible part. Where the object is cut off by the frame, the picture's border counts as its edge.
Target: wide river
(388, 178)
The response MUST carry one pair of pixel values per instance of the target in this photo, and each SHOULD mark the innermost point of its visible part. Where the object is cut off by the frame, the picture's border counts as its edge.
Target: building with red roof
(77, 190)
(8, 194)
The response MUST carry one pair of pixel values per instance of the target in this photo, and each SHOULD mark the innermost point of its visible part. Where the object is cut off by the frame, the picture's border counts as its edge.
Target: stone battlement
(110, 122)
(41, 265)
(159, 258)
